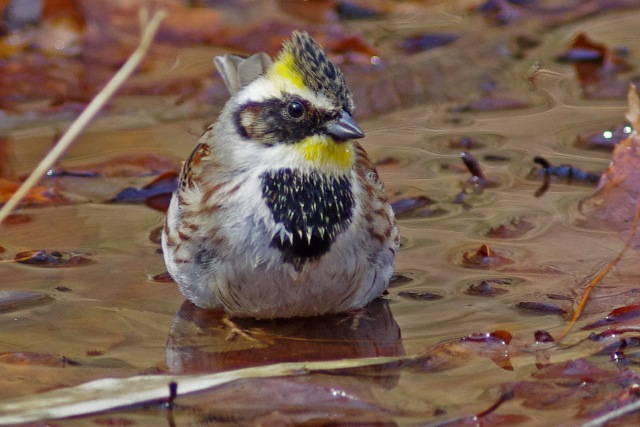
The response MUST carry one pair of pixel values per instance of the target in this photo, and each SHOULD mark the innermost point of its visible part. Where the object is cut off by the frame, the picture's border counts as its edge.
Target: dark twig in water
(477, 181)
(562, 171)
(476, 418)
(472, 164)
(503, 398)
(545, 165)
(173, 393)
(168, 404)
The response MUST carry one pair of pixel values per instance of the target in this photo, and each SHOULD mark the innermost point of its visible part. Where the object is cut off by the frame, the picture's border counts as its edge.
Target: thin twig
(598, 278)
(149, 29)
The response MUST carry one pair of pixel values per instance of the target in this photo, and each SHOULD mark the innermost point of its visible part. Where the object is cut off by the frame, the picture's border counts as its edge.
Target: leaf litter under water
(470, 350)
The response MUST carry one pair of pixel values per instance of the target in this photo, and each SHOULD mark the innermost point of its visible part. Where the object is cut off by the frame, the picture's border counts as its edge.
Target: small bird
(279, 212)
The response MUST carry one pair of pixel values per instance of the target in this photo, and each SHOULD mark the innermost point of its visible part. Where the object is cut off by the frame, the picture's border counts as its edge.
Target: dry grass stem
(111, 393)
(149, 29)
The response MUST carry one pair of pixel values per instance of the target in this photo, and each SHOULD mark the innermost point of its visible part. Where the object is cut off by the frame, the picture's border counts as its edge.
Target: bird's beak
(344, 127)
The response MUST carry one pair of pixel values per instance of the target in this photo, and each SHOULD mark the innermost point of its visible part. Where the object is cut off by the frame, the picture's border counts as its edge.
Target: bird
(279, 211)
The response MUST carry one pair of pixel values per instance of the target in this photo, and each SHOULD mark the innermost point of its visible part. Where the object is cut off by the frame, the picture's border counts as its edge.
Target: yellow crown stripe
(284, 68)
(327, 154)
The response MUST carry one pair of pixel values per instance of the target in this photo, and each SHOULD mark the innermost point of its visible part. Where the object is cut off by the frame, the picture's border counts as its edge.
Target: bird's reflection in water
(198, 339)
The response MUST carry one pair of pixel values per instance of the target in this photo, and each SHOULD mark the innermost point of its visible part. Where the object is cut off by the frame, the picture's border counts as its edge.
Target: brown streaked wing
(192, 164)
(364, 164)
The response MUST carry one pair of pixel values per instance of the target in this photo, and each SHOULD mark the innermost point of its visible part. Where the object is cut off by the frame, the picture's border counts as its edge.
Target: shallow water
(108, 318)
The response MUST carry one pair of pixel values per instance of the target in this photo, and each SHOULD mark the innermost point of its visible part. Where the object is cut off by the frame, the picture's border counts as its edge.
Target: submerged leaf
(156, 194)
(18, 300)
(603, 139)
(494, 345)
(55, 259)
(420, 295)
(517, 227)
(619, 315)
(37, 196)
(487, 288)
(484, 257)
(416, 207)
(542, 307)
(577, 387)
(574, 372)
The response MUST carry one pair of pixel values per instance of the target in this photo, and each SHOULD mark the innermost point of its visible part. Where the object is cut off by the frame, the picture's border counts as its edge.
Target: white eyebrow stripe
(265, 88)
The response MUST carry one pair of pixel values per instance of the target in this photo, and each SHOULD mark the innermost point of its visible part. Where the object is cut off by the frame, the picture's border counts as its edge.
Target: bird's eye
(295, 109)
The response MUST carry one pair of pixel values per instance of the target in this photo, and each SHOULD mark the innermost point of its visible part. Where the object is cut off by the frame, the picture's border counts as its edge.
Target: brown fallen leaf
(516, 227)
(415, 207)
(484, 257)
(616, 199)
(493, 345)
(593, 61)
(617, 185)
(542, 307)
(53, 259)
(466, 143)
(289, 401)
(157, 194)
(577, 387)
(573, 372)
(617, 316)
(420, 295)
(37, 196)
(147, 178)
(603, 139)
(487, 287)
(61, 29)
(163, 277)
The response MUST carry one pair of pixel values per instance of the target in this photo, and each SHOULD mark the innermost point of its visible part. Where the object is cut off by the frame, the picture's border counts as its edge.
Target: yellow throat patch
(326, 154)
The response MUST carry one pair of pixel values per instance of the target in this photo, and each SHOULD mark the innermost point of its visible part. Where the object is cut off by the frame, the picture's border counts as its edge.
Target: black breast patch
(312, 207)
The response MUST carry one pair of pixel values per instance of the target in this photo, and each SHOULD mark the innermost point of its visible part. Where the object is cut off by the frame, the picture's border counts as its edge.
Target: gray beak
(344, 127)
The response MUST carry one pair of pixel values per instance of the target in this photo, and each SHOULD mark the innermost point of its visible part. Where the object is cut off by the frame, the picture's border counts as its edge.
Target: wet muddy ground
(489, 269)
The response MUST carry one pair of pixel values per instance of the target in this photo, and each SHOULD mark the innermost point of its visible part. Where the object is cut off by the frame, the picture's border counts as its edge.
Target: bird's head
(301, 105)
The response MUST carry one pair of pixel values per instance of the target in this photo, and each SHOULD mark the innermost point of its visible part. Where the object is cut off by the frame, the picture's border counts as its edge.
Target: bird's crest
(303, 62)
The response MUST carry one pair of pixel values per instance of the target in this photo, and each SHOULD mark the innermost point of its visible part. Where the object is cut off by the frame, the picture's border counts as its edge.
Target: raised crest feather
(316, 69)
